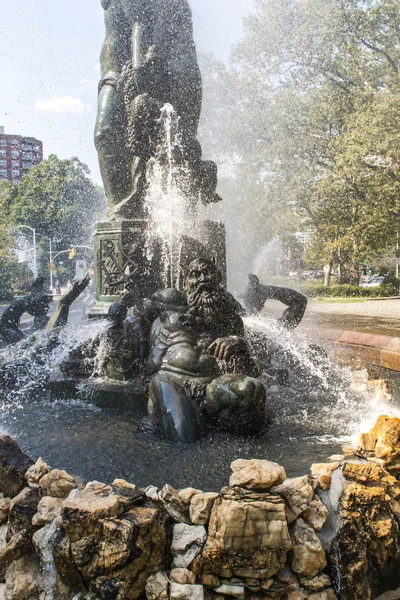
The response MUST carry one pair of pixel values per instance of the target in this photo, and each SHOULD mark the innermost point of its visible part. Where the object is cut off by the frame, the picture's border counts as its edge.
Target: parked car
(373, 281)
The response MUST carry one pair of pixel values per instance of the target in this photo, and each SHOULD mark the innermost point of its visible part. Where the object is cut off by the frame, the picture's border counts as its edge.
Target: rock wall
(333, 533)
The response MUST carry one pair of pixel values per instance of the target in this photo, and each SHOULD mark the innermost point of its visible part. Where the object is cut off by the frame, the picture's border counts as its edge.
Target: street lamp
(35, 273)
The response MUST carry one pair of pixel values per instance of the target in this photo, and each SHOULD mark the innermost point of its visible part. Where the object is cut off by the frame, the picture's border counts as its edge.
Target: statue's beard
(205, 305)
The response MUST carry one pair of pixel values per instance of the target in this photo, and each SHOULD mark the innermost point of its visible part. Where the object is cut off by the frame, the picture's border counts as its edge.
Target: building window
(14, 143)
(15, 172)
(15, 163)
(3, 143)
(2, 153)
(16, 180)
(3, 163)
(27, 155)
(3, 171)
(14, 153)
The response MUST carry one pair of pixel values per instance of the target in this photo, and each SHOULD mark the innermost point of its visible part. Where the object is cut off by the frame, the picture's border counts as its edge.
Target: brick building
(17, 155)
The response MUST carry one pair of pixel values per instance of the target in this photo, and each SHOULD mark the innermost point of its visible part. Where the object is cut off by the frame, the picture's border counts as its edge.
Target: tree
(315, 124)
(58, 199)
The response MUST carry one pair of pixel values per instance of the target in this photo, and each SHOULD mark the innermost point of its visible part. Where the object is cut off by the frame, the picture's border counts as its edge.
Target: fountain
(164, 330)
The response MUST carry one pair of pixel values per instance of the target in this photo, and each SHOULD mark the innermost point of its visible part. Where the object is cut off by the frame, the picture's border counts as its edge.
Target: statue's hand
(75, 291)
(225, 348)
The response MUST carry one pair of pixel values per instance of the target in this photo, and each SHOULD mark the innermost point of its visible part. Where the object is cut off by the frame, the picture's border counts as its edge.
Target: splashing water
(168, 204)
(319, 391)
(26, 367)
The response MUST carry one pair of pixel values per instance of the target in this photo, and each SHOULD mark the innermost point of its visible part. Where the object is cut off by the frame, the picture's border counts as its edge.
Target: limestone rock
(157, 587)
(328, 594)
(5, 504)
(22, 579)
(187, 543)
(384, 441)
(120, 485)
(187, 494)
(175, 507)
(316, 513)
(317, 583)
(256, 474)
(297, 494)
(48, 509)
(210, 581)
(322, 472)
(182, 576)
(57, 484)
(248, 535)
(22, 509)
(36, 472)
(186, 592)
(117, 538)
(368, 539)
(234, 590)
(296, 595)
(392, 595)
(308, 555)
(200, 507)
(152, 492)
(13, 465)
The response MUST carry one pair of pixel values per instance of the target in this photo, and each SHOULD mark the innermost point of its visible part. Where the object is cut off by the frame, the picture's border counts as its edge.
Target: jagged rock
(256, 474)
(234, 590)
(296, 595)
(186, 592)
(175, 507)
(322, 472)
(248, 535)
(2, 591)
(384, 441)
(328, 594)
(367, 543)
(157, 587)
(254, 585)
(210, 581)
(117, 538)
(287, 576)
(66, 569)
(200, 507)
(22, 579)
(5, 504)
(187, 494)
(182, 576)
(316, 513)
(48, 509)
(317, 583)
(19, 528)
(152, 492)
(392, 595)
(187, 543)
(13, 465)
(297, 494)
(308, 555)
(36, 472)
(57, 484)
(120, 485)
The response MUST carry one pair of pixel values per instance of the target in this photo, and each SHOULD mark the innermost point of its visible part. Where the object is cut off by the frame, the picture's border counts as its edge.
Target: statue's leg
(177, 413)
(237, 404)
(111, 147)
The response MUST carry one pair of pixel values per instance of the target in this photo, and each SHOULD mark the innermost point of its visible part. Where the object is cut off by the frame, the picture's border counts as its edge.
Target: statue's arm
(295, 302)
(60, 315)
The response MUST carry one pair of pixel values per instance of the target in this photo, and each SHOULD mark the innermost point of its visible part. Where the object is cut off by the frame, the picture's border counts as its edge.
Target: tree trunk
(328, 271)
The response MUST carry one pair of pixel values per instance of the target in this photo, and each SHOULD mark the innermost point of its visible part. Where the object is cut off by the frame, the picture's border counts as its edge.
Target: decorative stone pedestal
(125, 253)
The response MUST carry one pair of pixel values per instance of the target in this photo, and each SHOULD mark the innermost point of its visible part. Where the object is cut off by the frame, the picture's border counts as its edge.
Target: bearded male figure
(200, 365)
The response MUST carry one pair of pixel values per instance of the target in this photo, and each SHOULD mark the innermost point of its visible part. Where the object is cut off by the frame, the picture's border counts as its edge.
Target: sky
(49, 65)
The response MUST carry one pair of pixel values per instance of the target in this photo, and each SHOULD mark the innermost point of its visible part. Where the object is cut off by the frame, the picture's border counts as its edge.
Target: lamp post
(35, 273)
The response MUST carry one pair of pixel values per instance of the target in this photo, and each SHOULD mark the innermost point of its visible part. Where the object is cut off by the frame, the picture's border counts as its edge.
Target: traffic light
(72, 253)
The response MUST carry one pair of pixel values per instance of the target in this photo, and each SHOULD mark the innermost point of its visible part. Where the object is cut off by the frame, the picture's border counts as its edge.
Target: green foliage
(314, 126)
(58, 199)
(315, 290)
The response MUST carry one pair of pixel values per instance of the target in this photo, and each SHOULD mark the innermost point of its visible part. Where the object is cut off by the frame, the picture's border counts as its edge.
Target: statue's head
(202, 275)
(253, 279)
(117, 312)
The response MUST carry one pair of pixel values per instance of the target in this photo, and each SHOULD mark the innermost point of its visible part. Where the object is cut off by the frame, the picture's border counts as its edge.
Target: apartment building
(18, 154)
